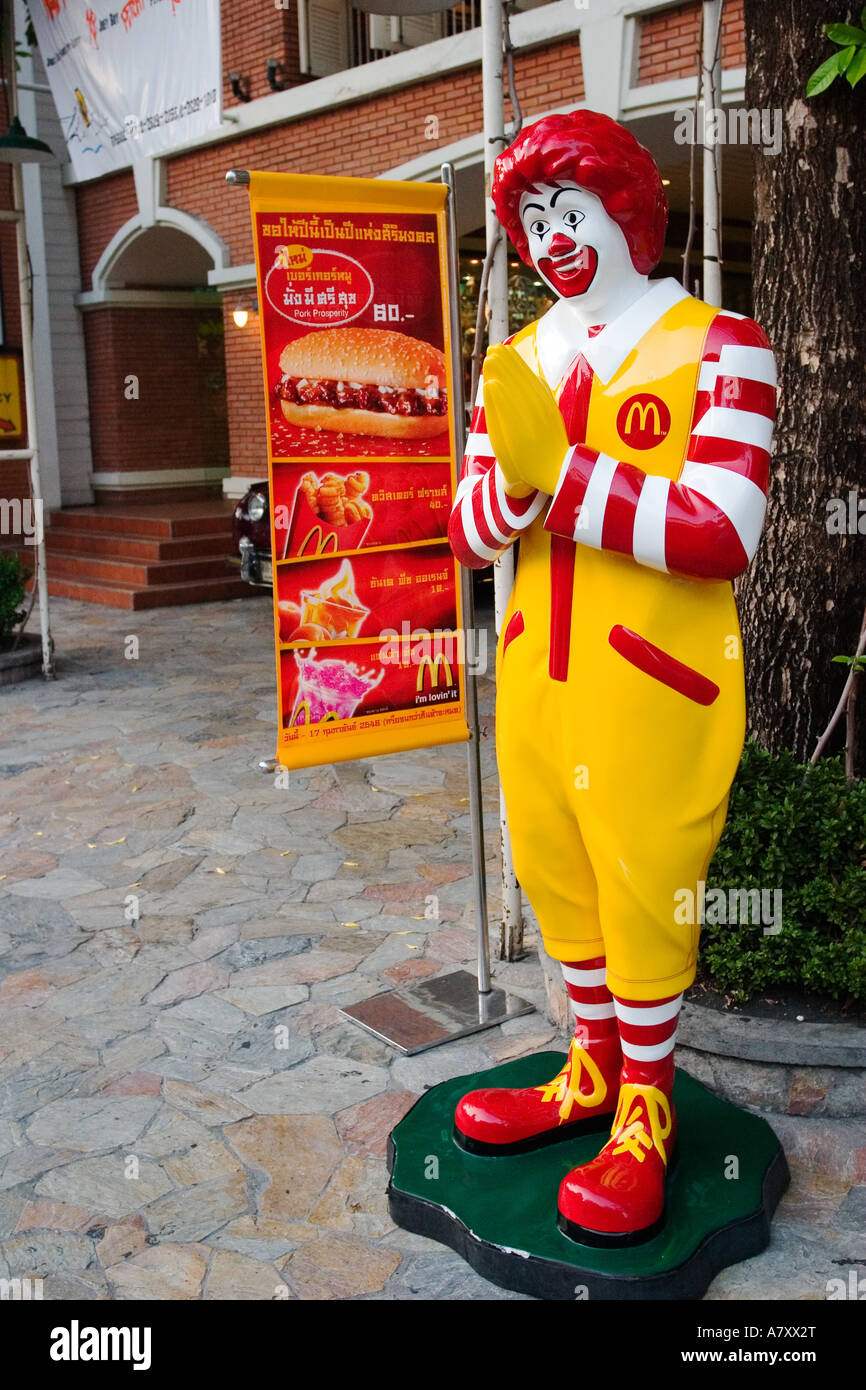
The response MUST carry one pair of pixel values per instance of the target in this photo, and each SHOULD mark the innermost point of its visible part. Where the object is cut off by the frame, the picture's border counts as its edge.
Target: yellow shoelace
(564, 1088)
(639, 1105)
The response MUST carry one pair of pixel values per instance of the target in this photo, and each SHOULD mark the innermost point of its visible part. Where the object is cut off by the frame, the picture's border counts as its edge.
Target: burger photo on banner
(353, 332)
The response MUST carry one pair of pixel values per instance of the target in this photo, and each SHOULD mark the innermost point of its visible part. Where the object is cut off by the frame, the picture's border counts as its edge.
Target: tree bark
(802, 601)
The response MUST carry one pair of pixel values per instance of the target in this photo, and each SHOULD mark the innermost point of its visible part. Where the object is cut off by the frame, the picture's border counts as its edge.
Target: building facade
(152, 396)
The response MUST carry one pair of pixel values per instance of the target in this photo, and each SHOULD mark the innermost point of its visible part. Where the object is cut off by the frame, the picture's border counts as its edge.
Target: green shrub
(13, 576)
(801, 829)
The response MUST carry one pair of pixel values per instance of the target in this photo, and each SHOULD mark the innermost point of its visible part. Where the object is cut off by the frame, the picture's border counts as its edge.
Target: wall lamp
(241, 316)
(240, 86)
(278, 79)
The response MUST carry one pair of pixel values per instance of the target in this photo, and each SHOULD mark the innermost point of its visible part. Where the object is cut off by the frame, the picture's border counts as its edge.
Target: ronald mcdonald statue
(624, 438)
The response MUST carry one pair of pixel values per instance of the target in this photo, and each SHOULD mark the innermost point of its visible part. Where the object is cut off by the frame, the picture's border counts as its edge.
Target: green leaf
(863, 16)
(857, 66)
(823, 76)
(845, 57)
(843, 34)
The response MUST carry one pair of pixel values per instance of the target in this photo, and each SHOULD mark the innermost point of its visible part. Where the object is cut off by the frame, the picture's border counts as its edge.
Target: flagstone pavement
(183, 1112)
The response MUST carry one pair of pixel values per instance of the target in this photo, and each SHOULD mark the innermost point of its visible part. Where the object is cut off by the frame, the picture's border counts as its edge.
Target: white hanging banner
(130, 80)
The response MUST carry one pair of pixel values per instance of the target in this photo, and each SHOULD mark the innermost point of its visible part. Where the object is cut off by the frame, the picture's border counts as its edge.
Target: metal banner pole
(424, 1015)
(712, 154)
(493, 100)
(458, 415)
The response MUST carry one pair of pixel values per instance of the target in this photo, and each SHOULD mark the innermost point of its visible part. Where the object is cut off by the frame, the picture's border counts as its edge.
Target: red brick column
(248, 440)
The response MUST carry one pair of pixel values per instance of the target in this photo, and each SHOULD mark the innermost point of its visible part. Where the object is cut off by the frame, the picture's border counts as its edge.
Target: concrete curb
(772, 1040)
(24, 662)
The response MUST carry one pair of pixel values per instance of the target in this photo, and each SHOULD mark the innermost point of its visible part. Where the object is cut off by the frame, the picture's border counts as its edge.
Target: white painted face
(577, 249)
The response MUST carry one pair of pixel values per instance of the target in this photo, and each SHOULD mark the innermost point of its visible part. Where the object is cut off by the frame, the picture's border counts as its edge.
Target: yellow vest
(693, 620)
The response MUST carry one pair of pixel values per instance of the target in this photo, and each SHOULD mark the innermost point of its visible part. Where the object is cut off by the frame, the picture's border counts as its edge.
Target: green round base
(500, 1213)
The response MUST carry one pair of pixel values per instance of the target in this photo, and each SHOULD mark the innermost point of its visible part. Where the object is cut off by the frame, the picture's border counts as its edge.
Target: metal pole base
(424, 1015)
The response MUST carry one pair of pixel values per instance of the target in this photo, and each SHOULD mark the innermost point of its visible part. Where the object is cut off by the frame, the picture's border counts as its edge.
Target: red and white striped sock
(647, 1030)
(591, 1000)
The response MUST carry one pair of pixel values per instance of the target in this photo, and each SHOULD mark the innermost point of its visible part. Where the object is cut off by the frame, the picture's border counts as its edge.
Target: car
(251, 536)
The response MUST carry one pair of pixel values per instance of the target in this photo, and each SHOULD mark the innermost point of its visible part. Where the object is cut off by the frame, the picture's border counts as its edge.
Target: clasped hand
(525, 427)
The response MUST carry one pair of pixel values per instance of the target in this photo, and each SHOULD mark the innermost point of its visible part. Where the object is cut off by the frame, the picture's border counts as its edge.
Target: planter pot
(24, 662)
(775, 1065)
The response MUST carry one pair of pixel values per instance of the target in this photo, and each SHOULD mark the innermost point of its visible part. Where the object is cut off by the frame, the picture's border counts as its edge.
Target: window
(324, 37)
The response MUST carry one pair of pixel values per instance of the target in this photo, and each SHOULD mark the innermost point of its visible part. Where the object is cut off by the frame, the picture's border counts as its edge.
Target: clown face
(579, 252)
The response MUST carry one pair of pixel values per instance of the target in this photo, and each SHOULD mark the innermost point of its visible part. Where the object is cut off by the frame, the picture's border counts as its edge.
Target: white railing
(365, 37)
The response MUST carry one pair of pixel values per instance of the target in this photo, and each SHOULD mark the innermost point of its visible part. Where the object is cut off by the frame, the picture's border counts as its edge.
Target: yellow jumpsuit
(616, 785)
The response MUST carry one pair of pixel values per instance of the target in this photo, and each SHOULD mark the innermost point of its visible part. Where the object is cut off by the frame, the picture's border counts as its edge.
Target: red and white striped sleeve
(707, 523)
(484, 520)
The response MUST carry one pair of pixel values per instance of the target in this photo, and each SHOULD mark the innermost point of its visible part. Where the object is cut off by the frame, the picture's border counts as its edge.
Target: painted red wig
(598, 154)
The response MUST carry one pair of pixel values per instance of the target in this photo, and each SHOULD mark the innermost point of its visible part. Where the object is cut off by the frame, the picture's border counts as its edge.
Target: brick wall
(246, 400)
(178, 420)
(252, 32)
(102, 207)
(669, 39)
(362, 139)
(8, 246)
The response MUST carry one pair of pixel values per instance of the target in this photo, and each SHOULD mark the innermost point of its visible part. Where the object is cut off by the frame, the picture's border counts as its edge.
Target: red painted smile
(572, 273)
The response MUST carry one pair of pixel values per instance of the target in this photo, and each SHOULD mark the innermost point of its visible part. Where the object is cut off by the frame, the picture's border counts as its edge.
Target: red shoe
(502, 1120)
(619, 1198)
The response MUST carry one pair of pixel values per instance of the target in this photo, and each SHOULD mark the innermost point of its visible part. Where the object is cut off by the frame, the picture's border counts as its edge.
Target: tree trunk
(802, 601)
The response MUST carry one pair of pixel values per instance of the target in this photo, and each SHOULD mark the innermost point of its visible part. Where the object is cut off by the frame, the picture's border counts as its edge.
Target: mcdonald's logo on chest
(643, 421)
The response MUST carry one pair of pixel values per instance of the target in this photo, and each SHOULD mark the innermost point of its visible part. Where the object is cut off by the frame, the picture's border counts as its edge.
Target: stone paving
(183, 1112)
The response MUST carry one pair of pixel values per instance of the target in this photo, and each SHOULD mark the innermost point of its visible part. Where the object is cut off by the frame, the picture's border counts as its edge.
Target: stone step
(164, 521)
(154, 596)
(136, 573)
(144, 555)
(129, 547)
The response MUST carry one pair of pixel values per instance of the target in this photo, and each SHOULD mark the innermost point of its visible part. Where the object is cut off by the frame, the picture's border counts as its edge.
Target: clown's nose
(561, 245)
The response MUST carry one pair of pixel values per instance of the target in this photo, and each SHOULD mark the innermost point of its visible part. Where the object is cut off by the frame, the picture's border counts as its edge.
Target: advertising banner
(130, 79)
(356, 353)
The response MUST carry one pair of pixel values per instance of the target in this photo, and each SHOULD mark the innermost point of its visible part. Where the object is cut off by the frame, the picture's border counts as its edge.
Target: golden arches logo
(303, 708)
(319, 542)
(643, 421)
(643, 411)
(433, 667)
